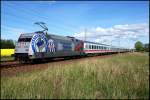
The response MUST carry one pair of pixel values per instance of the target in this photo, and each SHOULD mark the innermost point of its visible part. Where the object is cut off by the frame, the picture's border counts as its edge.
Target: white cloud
(98, 34)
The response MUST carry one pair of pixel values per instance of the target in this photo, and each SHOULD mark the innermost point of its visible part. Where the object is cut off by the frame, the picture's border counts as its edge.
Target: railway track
(14, 67)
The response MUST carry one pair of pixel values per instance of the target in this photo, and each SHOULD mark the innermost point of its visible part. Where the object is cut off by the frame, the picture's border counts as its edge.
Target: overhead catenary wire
(36, 16)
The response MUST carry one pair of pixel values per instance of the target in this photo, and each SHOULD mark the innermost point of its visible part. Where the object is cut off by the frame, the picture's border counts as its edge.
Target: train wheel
(23, 60)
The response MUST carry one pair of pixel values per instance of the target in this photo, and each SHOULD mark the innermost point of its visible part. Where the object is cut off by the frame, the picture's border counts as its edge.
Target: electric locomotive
(41, 45)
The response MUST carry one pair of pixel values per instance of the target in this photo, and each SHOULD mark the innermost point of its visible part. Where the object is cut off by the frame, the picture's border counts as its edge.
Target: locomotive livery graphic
(39, 43)
(51, 45)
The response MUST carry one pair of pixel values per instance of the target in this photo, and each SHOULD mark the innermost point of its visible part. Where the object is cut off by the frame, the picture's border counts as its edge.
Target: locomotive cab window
(24, 39)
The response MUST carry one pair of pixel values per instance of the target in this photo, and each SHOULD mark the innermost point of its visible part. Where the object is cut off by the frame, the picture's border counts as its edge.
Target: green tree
(146, 47)
(139, 46)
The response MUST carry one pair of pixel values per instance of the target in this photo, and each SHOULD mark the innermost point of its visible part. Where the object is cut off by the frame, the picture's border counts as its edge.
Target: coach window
(86, 46)
(104, 48)
(89, 46)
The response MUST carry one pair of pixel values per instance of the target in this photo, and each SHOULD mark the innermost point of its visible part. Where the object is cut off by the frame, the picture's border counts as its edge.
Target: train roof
(22, 35)
(59, 37)
(68, 38)
(27, 35)
(96, 43)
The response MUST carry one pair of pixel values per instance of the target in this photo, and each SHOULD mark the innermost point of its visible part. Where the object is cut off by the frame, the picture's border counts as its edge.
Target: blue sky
(130, 18)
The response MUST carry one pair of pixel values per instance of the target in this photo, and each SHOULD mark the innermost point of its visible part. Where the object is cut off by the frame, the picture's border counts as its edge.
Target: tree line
(139, 46)
(7, 44)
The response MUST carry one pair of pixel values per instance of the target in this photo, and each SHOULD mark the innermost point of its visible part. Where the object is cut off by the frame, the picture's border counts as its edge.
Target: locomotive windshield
(24, 39)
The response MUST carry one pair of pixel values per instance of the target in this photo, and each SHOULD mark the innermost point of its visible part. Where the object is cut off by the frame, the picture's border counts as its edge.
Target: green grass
(7, 58)
(119, 77)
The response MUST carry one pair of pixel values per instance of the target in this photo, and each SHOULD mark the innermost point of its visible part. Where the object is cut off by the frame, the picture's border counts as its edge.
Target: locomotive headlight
(26, 49)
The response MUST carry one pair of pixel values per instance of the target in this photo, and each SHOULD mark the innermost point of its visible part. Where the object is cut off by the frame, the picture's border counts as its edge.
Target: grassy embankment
(122, 76)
